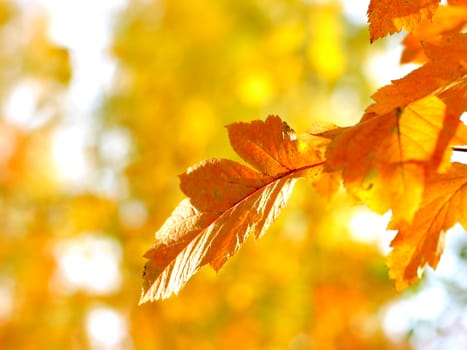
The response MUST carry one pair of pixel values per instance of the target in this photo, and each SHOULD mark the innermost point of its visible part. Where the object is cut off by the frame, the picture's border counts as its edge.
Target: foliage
(228, 201)
(101, 107)
(396, 158)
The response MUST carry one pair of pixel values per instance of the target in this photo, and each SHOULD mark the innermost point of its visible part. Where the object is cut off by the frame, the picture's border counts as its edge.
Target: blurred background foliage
(104, 103)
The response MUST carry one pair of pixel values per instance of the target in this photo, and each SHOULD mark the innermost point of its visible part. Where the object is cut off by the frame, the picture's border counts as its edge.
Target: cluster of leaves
(52, 220)
(397, 157)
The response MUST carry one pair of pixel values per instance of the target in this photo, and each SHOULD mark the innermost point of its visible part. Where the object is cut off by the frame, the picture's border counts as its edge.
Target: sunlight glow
(89, 262)
(383, 66)
(451, 265)
(369, 227)
(396, 321)
(92, 66)
(427, 305)
(355, 11)
(69, 155)
(84, 28)
(21, 107)
(433, 304)
(106, 328)
(68, 16)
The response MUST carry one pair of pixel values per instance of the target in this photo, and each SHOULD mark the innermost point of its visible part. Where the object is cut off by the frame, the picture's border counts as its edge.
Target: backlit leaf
(384, 158)
(387, 16)
(447, 63)
(447, 20)
(457, 2)
(422, 241)
(228, 201)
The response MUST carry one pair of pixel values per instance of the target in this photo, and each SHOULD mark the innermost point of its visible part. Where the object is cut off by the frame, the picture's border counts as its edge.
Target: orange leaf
(389, 16)
(447, 20)
(228, 201)
(273, 152)
(422, 241)
(455, 96)
(457, 2)
(384, 158)
(447, 64)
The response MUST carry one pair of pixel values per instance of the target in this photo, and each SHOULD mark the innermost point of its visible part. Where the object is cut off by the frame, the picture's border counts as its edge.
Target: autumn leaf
(392, 160)
(446, 68)
(447, 20)
(228, 201)
(388, 16)
(421, 242)
(384, 158)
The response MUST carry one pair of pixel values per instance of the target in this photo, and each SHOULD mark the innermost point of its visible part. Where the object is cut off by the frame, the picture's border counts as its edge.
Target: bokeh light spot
(69, 155)
(133, 214)
(89, 262)
(115, 147)
(22, 105)
(383, 66)
(106, 328)
(256, 88)
(369, 227)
